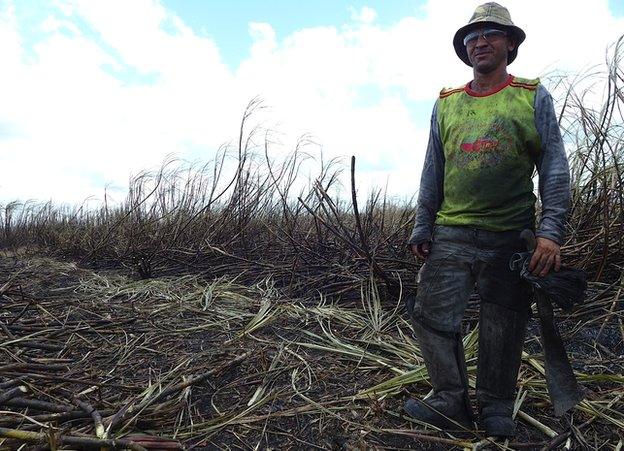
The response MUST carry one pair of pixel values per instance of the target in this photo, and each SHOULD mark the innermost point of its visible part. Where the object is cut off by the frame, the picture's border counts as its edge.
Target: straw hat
(493, 13)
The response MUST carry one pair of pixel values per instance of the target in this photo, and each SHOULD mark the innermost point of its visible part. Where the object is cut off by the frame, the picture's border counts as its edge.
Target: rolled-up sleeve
(553, 170)
(431, 192)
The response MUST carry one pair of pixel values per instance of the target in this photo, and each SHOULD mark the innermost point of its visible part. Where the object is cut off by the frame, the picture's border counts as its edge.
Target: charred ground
(312, 373)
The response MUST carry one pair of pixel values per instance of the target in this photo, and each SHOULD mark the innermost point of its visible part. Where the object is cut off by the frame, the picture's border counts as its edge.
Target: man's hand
(545, 257)
(422, 250)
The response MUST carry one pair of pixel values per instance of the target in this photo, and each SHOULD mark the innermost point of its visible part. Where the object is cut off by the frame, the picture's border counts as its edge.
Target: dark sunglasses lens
(493, 34)
(471, 37)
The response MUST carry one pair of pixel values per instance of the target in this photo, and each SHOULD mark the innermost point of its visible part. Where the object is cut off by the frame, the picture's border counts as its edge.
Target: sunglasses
(488, 35)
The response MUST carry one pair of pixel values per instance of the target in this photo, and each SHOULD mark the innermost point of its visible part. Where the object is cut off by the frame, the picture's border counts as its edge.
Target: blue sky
(227, 21)
(94, 91)
(617, 6)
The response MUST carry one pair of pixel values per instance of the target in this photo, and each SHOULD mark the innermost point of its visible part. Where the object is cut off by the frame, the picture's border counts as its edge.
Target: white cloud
(263, 35)
(364, 15)
(111, 88)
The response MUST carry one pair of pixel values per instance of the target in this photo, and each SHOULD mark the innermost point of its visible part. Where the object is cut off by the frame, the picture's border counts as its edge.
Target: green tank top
(490, 147)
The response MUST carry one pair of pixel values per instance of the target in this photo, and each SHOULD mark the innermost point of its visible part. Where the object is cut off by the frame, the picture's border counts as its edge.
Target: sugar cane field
(233, 306)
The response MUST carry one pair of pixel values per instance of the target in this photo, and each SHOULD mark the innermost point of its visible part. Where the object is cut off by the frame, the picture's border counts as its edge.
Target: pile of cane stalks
(237, 304)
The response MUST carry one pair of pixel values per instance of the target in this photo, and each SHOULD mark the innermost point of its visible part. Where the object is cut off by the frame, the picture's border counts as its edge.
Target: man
(476, 195)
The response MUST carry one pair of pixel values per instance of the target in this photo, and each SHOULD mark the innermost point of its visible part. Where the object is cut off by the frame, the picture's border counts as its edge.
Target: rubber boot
(448, 407)
(501, 340)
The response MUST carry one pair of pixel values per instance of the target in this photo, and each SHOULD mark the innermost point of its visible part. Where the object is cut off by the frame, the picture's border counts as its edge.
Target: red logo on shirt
(482, 144)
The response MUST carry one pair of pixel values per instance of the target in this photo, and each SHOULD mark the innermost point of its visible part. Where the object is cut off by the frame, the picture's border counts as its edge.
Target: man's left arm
(554, 187)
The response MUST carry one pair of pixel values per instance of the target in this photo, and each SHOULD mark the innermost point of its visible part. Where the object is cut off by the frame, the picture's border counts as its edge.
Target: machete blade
(563, 389)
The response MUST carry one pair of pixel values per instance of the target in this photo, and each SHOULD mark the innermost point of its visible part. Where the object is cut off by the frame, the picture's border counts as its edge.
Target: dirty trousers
(461, 259)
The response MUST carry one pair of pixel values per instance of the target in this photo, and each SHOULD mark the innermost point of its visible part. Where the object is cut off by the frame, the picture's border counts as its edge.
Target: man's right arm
(431, 192)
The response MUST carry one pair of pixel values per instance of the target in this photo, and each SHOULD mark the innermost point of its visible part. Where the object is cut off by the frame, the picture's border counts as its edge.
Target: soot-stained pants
(460, 259)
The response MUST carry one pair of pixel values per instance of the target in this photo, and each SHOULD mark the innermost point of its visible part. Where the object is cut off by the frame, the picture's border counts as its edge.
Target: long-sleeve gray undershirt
(552, 167)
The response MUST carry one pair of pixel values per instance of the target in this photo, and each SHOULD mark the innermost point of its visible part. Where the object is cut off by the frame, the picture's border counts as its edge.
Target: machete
(563, 389)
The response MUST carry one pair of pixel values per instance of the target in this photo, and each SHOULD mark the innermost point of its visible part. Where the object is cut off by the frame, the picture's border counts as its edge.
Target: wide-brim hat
(488, 13)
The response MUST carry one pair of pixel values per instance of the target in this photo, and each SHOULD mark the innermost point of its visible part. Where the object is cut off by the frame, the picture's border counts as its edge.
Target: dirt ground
(211, 364)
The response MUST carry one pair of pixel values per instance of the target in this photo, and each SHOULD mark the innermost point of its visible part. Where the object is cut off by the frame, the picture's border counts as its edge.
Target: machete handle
(529, 238)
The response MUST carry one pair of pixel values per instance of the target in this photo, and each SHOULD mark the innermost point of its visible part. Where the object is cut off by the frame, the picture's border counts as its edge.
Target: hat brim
(460, 49)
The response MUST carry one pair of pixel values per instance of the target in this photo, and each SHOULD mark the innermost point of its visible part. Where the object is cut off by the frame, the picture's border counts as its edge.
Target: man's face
(487, 48)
